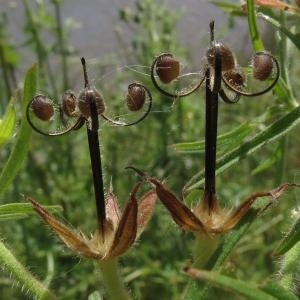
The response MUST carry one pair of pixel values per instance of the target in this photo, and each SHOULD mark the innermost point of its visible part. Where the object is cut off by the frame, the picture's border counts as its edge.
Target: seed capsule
(69, 104)
(235, 78)
(262, 64)
(136, 97)
(83, 102)
(167, 68)
(42, 107)
(228, 60)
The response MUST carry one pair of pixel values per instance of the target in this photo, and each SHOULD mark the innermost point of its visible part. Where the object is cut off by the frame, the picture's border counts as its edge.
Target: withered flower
(207, 216)
(120, 230)
(115, 232)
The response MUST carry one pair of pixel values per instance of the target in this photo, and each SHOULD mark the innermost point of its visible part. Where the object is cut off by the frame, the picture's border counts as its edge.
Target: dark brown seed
(235, 78)
(228, 60)
(262, 65)
(69, 104)
(42, 107)
(167, 68)
(136, 97)
(83, 102)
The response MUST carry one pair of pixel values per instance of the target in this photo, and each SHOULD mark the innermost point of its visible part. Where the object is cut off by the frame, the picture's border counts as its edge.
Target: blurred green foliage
(167, 145)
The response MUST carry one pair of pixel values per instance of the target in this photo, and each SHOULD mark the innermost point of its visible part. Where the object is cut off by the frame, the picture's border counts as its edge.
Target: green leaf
(290, 240)
(294, 37)
(21, 146)
(7, 124)
(253, 27)
(242, 288)
(15, 211)
(271, 133)
(226, 141)
(229, 7)
(276, 290)
(271, 160)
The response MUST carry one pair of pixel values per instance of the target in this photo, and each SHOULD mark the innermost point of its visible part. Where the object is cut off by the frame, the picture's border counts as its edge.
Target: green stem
(290, 268)
(112, 280)
(204, 247)
(61, 44)
(253, 28)
(9, 262)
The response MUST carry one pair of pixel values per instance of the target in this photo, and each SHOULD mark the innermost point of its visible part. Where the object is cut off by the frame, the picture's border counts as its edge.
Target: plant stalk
(112, 280)
(9, 262)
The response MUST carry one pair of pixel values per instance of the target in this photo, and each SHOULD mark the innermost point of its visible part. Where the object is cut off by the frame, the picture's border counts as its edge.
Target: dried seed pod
(235, 77)
(262, 64)
(42, 107)
(69, 104)
(83, 102)
(228, 60)
(167, 68)
(136, 97)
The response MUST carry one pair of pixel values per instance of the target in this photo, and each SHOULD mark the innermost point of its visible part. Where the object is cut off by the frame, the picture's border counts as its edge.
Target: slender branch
(61, 44)
(9, 262)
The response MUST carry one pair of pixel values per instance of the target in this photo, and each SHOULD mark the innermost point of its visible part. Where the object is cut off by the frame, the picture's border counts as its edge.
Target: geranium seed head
(167, 68)
(84, 105)
(262, 64)
(228, 60)
(136, 97)
(42, 107)
(69, 103)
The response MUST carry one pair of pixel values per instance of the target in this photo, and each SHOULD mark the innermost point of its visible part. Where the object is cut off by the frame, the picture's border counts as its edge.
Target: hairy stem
(112, 280)
(9, 262)
(290, 268)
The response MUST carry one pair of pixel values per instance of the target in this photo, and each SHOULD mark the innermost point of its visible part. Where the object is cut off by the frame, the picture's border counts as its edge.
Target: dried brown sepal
(136, 97)
(145, 209)
(84, 99)
(241, 211)
(42, 108)
(181, 214)
(112, 209)
(262, 65)
(167, 68)
(74, 241)
(127, 229)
